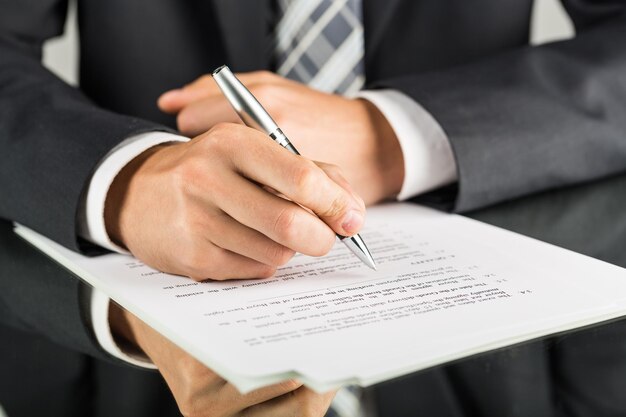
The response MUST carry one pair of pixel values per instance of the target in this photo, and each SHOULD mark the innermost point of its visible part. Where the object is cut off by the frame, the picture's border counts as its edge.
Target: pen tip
(369, 261)
(358, 247)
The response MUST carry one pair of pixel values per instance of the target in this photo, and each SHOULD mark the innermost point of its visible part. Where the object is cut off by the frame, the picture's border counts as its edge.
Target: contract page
(446, 287)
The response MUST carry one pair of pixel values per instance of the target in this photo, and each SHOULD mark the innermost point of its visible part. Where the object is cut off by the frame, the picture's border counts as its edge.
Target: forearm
(532, 119)
(52, 138)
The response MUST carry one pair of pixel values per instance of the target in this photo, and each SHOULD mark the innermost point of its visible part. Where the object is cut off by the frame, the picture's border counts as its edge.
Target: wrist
(118, 196)
(388, 156)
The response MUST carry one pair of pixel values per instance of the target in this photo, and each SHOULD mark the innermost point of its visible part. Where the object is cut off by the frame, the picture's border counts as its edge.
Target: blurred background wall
(549, 23)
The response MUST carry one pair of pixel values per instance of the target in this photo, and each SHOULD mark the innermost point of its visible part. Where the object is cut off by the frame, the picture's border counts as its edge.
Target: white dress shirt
(428, 164)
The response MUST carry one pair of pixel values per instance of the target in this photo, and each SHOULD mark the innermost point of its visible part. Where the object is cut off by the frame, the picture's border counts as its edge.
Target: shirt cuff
(91, 226)
(428, 159)
(90, 217)
(104, 336)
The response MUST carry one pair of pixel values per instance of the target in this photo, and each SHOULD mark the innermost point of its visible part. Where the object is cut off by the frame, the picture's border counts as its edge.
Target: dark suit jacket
(520, 119)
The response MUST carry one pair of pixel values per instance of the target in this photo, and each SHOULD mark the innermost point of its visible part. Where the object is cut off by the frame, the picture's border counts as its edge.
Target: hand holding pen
(254, 115)
(202, 208)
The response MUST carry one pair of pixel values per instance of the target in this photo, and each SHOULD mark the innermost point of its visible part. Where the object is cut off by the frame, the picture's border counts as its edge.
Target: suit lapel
(377, 17)
(245, 27)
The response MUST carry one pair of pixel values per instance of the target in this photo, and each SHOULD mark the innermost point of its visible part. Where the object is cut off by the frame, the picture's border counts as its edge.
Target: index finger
(259, 158)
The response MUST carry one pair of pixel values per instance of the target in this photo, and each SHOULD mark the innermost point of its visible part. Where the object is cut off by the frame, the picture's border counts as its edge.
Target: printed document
(446, 287)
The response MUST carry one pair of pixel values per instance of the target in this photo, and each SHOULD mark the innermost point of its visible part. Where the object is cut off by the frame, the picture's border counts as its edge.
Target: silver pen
(255, 116)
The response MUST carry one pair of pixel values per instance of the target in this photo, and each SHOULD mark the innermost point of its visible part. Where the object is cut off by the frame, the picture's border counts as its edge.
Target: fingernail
(352, 222)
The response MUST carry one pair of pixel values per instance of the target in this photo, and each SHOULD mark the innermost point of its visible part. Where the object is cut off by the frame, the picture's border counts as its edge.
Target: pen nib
(357, 246)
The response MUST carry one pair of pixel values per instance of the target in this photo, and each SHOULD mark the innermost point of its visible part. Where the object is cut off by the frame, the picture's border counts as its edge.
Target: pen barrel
(245, 104)
(248, 107)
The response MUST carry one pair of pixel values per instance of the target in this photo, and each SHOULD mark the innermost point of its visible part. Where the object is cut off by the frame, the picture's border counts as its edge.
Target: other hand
(209, 208)
(199, 392)
(349, 133)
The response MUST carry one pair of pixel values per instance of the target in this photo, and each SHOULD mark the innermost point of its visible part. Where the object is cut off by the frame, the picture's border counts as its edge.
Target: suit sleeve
(39, 296)
(51, 135)
(51, 139)
(535, 118)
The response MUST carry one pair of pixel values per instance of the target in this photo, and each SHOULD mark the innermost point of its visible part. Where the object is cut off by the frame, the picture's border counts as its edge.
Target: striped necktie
(320, 43)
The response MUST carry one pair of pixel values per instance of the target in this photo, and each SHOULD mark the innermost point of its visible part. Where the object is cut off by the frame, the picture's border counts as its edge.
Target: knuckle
(305, 176)
(285, 224)
(194, 263)
(217, 143)
(219, 137)
(338, 206)
(224, 138)
(279, 255)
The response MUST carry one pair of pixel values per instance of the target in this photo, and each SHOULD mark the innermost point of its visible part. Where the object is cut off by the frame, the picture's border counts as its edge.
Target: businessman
(441, 102)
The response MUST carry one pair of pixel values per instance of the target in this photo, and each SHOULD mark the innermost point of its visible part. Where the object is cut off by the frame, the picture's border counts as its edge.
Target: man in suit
(464, 115)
